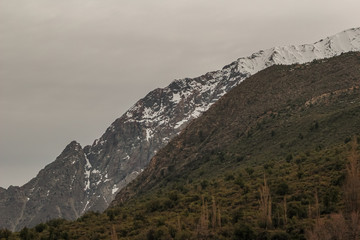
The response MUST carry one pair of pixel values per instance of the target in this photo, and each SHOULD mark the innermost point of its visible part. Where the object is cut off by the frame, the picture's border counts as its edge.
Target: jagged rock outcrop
(56, 192)
(83, 179)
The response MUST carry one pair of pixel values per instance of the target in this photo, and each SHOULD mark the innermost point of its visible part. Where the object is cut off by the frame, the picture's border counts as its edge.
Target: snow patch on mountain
(114, 189)
(87, 173)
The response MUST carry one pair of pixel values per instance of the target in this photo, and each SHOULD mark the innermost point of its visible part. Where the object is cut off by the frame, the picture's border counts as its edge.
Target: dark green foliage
(295, 209)
(204, 184)
(330, 199)
(282, 189)
(56, 222)
(338, 181)
(221, 156)
(300, 174)
(347, 139)
(237, 216)
(249, 170)
(5, 233)
(40, 227)
(65, 236)
(26, 234)
(201, 136)
(314, 126)
(272, 133)
(173, 196)
(268, 165)
(154, 205)
(300, 136)
(280, 236)
(111, 214)
(54, 233)
(229, 177)
(172, 231)
(240, 158)
(243, 232)
(154, 235)
(240, 181)
(289, 157)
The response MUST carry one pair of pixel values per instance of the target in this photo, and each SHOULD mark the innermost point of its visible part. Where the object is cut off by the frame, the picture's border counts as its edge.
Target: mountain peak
(73, 146)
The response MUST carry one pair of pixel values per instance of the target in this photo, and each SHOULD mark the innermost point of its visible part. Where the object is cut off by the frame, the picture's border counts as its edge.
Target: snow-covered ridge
(216, 84)
(345, 41)
(163, 113)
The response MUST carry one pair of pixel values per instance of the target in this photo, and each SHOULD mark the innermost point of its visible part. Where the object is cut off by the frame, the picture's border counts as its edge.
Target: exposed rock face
(88, 178)
(56, 192)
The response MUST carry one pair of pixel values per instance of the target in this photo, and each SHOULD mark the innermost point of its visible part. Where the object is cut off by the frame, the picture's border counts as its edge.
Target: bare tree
(354, 226)
(337, 226)
(285, 210)
(179, 223)
(113, 233)
(203, 226)
(265, 205)
(317, 207)
(219, 218)
(352, 183)
(213, 217)
(318, 232)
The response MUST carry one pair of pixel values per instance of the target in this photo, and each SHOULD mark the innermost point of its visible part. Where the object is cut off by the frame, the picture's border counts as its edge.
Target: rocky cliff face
(83, 179)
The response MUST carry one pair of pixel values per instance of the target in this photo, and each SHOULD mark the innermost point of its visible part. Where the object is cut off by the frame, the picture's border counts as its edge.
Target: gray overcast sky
(69, 68)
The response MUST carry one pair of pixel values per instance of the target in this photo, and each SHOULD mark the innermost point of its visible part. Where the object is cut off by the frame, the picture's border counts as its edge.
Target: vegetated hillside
(279, 111)
(288, 126)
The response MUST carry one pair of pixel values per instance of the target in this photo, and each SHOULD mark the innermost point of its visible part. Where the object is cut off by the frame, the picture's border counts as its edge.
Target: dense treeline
(247, 203)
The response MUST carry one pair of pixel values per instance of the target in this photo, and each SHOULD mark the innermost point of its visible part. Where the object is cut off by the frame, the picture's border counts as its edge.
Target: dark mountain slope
(53, 193)
(276, 94)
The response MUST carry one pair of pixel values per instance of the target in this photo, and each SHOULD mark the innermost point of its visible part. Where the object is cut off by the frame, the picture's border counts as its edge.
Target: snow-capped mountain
(83, 179)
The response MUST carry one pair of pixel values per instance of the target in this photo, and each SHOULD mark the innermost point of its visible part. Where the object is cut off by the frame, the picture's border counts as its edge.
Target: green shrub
(280, 236)
(40, 227)
(243, 232)
(282, 189)
(249, 170)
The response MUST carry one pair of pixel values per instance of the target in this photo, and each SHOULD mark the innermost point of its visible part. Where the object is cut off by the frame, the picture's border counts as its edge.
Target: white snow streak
(114, 189)
(87, 203)
(87, 173)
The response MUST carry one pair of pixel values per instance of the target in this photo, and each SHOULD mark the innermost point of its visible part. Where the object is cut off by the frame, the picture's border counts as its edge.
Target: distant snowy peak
(345, 41)
(200, 93)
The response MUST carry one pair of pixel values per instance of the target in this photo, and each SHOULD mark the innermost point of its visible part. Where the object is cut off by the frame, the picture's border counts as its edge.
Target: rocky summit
(88, 178)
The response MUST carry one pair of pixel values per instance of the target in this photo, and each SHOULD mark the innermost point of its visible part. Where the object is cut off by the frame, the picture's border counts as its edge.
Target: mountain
(285, 101)
(83, 179)
(278, 143)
